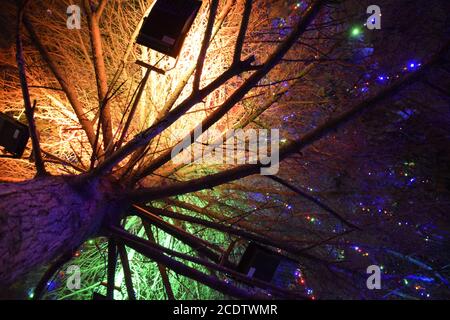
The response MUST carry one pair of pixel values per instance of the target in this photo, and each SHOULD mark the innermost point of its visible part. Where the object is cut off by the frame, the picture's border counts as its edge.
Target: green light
(356, 31)
(405, 281)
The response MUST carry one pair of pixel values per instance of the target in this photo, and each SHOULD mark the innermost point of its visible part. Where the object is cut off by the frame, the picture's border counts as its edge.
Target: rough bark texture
(44, 217)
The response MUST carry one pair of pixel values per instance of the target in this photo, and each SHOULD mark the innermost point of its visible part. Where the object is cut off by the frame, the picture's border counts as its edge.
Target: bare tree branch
(205, 44)
(65, 83)
(314, 200)
(100, 73)
(242, 30)
(162, 268)
(101, 7)
(112, 263)
(126, 270)
(29, 110)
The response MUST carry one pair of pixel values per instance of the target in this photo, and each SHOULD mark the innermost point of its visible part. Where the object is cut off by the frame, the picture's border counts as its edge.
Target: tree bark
(44, 217)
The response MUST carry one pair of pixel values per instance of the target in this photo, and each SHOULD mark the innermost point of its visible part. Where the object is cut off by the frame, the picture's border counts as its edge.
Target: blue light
(51, 285)
(413, 65)
(420, 278)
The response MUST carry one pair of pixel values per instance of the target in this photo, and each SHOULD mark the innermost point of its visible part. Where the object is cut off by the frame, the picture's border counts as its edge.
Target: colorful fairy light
(355, 31)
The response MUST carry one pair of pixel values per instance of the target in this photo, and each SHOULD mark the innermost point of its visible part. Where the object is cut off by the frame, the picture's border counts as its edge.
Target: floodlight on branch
(167, 25)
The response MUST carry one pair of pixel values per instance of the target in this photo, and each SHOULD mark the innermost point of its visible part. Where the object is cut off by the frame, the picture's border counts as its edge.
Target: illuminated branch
(205, 44)
(62, 161)
(180, 268)
(100, 72)
(101, 7)
(66, 85)
(134, 36)
(155, 252)
(137, 98)
(143, 138)
(242, 30)
(194, 99)
(198, 244)
(29, 110)
(183, 82)
(166, 156)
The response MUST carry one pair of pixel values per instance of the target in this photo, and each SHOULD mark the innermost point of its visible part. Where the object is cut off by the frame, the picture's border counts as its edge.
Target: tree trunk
(45, 217)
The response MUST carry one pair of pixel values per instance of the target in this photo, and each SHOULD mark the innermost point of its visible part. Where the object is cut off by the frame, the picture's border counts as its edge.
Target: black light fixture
(264, 264)
(167, 25)
(14, 135)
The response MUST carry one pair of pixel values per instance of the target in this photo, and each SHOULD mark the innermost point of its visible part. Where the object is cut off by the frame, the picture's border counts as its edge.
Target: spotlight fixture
(266, 265)
(167, 25)
(14, 135)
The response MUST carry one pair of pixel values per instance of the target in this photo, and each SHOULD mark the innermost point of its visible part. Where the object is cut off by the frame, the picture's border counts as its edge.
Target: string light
(355, 32)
